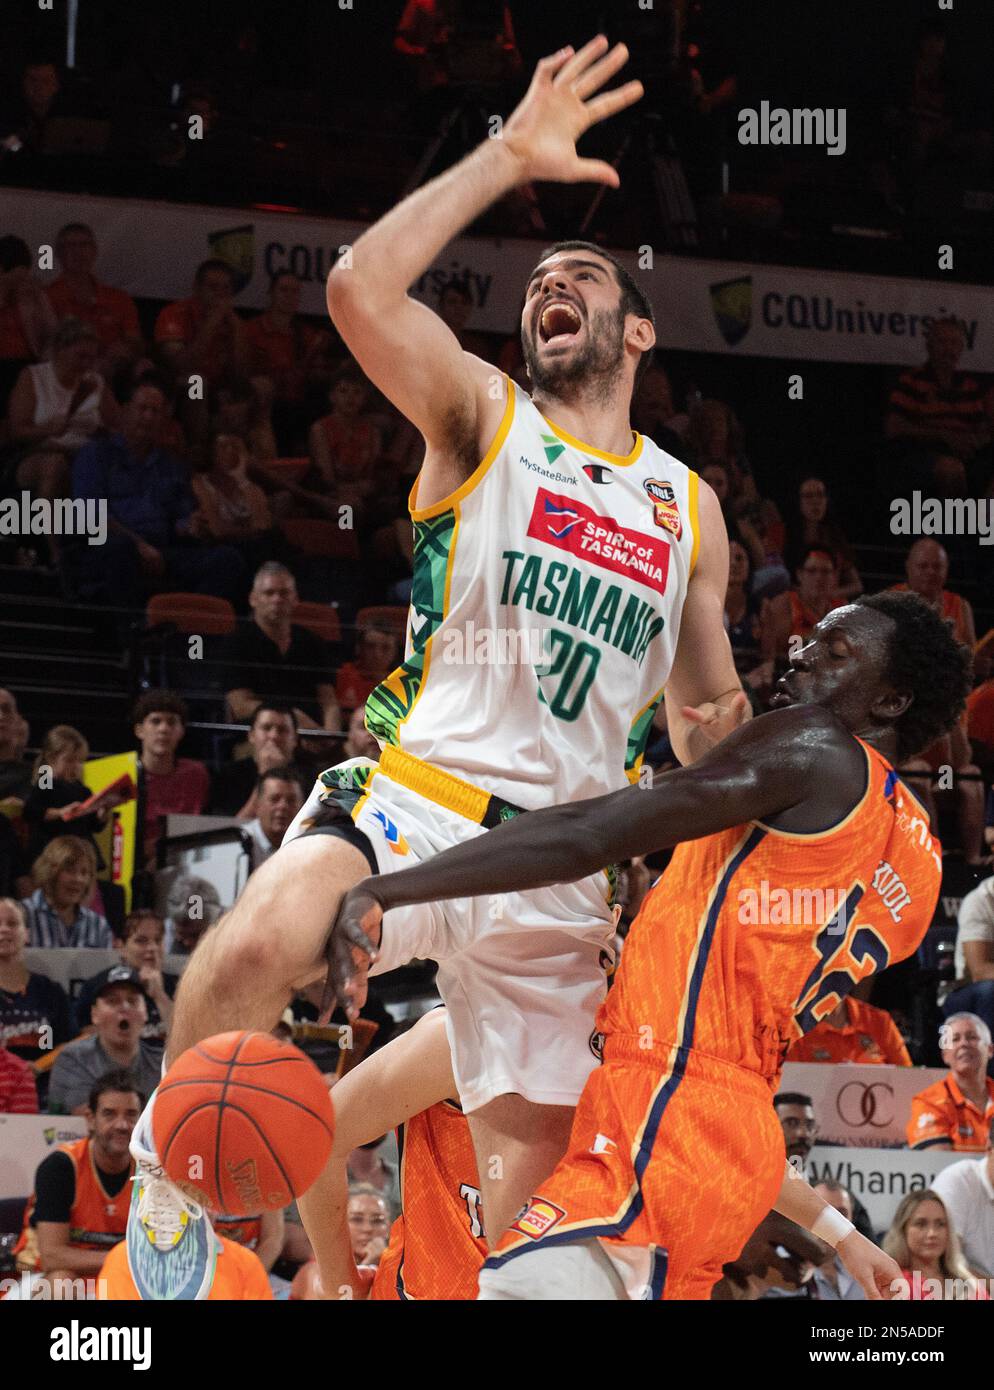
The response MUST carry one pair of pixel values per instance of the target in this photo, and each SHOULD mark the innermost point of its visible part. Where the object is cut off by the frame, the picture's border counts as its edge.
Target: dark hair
(213, 263)
(817, 549)
(792, 1098)
(149, 377)
(925, 662)
(130, 924)
(119, 1080)
(284, 773)
(159, 702)
(274, 707)
(633, 301)
(14, 253)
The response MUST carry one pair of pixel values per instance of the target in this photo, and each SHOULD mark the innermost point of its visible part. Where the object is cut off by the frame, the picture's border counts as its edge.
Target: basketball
(246, 1120)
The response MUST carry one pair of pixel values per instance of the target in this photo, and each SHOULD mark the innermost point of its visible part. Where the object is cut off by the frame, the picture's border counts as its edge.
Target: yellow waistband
(443, 788)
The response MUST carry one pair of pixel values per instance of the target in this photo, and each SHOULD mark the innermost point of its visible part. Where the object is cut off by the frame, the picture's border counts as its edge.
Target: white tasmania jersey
(545, 612)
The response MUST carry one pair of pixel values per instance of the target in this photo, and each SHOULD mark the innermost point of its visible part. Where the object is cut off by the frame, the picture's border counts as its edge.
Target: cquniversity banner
(151, 250)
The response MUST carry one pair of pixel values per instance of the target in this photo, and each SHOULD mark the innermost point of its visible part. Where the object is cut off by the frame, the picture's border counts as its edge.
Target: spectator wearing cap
(34, 1010)
(279, 796)
(956, 1112)
(192, 906)
(82, 1190)
(118, 1015)
(853, 1032)
(78, 294)
(151, 513)
(975, 956)
(967, 1189)
(375, 658)
(55, 408)
(170, 785)
(273, 742)
(65, 872)
(140, 948)
(272, 657)
(203, 335)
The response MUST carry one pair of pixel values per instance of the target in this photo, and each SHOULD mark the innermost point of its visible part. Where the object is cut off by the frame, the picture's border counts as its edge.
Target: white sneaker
(172, 1249)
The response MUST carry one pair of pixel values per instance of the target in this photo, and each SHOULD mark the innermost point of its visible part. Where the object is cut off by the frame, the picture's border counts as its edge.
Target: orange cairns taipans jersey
(749, 939)
(97, 1220)
(242, 1230)
(869, 1036)
(437, 1245)
(941, 1114)
(754, 935)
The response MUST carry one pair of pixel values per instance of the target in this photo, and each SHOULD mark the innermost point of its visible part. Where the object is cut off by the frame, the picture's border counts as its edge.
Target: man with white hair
(975, 955)
(956, 1113)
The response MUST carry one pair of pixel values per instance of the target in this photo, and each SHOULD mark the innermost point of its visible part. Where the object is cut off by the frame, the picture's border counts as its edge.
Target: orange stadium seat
(192, 613)
(319, 618)
(383, 615)
(322, 538)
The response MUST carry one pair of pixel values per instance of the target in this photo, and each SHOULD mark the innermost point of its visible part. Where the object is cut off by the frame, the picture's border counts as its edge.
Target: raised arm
(404, 347)
(704, 696)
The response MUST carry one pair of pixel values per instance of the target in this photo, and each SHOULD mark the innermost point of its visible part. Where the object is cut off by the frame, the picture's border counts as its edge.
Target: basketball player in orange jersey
(438, 1245)
(594, 567)
(675, 1153)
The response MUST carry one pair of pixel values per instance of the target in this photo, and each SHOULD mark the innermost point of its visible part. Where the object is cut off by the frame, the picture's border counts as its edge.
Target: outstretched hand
(349, 951)
(716, 721)
(560, 105)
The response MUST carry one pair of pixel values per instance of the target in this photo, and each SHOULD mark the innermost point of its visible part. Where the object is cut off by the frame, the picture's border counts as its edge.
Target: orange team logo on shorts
(538, 1218)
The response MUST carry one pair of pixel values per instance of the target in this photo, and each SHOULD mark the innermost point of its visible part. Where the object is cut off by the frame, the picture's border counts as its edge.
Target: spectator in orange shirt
(956, 1113)
(376, 657)
(795, 613)
(980, 716)
(203, 335)
(77, 293)
(18, 1095)
(239, 1275)
(286, 355)
(853, 1032)
(343, 446)
(927, 569)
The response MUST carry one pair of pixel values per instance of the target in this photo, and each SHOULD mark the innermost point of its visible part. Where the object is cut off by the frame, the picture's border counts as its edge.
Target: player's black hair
(792, 1098)
(120, 1080)
(633, 301)
(274, 707)
(925, 662)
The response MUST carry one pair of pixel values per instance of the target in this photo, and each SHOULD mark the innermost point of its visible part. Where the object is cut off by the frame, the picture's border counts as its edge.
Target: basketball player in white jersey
(566, 570)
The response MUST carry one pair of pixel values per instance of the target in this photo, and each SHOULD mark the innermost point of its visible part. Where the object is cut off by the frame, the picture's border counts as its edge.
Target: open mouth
(559, 322)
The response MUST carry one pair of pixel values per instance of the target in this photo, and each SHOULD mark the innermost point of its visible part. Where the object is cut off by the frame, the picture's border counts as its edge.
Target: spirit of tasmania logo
(568, 524)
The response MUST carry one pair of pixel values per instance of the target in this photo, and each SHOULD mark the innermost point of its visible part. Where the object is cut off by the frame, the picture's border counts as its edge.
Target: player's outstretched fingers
(594, 78)
(599, 108)
(592, 50)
